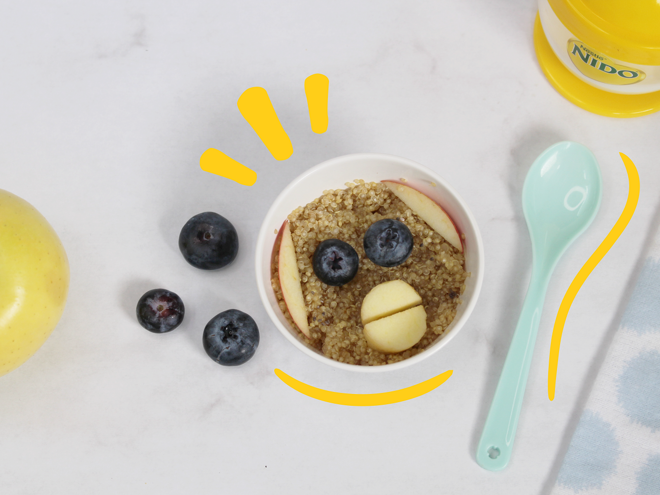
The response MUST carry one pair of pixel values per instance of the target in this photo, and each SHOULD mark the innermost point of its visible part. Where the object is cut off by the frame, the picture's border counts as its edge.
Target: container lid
(622, 29)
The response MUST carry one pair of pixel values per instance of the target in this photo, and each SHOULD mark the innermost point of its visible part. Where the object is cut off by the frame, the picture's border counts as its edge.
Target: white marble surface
(105, 108)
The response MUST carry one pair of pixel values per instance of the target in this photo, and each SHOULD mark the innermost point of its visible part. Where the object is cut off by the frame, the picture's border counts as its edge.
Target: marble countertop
(106, 108)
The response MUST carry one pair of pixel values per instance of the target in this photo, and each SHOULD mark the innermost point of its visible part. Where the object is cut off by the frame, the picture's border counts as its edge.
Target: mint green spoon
(561, 196)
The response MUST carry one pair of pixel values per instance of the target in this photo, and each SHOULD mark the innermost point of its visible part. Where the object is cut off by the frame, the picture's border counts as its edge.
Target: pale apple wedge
(388, 298)
(397, 332)
(290, 281)
(429, 211)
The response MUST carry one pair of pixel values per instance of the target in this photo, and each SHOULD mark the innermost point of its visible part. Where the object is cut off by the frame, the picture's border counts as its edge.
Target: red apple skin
(460, 234)
(276, 246)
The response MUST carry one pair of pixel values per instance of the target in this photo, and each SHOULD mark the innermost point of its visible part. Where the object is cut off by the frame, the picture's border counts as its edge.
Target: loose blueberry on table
(208, 241)
(388, 243)
(160, 311)
(231, 338)
(335, 262)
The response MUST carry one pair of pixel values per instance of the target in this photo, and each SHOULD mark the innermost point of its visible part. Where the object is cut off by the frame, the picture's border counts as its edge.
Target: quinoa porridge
(435, 269)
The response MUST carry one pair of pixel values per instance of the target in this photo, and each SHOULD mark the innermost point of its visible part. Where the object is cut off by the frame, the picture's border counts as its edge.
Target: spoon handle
(496, 442)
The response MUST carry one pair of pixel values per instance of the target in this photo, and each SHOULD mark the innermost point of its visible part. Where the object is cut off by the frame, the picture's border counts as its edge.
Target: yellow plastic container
(602, 55)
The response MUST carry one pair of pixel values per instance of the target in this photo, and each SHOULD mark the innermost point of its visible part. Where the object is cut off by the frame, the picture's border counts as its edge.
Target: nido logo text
(597, 66)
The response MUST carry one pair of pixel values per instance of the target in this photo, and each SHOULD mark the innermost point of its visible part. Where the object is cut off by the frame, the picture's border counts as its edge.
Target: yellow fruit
(34, 280)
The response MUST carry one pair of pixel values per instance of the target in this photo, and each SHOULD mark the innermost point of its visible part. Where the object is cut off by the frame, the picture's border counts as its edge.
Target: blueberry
(231, 338)
(160, 311)
(335, 262)
(388, 243)
(208, 241)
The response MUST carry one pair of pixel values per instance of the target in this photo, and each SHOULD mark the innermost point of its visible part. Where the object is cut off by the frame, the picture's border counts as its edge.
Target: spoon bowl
(561, 196)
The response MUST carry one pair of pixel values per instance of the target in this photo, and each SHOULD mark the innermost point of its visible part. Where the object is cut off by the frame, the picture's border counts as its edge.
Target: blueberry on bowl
(208, 241)
(335, 262)
(388, 242)
(231, 338)
(160, 311)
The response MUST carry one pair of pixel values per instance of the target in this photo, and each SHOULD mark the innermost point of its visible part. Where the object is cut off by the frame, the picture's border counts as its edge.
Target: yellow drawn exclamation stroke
(585, 271)
(216, 162)
(316, 90)
(255, 106)
(364, 399)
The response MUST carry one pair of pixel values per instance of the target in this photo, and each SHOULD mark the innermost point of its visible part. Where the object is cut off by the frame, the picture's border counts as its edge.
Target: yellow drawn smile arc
(588, 267)
(364, 399)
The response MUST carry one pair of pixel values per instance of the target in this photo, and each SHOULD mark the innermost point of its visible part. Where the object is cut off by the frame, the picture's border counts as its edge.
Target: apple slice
(388, 298)
(290, 281)
(397, 332)
(429, 211)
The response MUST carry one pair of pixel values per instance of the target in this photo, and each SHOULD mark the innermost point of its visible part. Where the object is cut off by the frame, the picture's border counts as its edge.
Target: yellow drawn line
(364, 399)
(585, 271)
(216, 162)
(255, 106)
(316, 89)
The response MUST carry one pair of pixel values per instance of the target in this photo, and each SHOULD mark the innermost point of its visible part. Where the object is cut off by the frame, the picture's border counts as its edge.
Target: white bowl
(333, 174)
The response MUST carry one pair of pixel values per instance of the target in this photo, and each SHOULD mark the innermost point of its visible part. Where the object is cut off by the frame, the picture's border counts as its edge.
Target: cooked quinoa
(435, 269)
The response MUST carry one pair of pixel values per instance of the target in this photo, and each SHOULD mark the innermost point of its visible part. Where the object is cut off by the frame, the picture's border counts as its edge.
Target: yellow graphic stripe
(255, 106)
(316, 89)
(216, 162)
(364, 399)
(585, 271)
